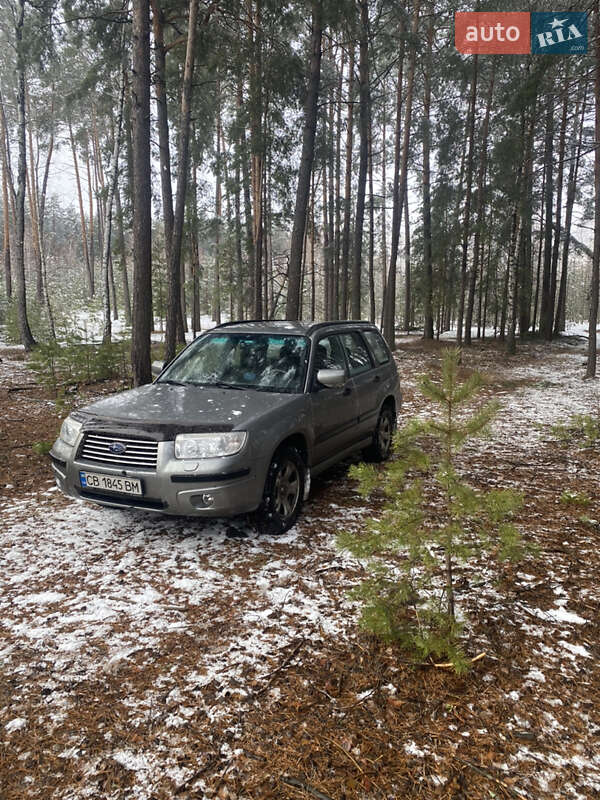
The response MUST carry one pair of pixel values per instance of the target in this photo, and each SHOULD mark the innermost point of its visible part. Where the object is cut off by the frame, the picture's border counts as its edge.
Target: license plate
(110, 483)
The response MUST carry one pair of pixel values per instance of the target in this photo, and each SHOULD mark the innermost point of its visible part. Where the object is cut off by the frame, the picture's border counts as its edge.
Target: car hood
(166, 410)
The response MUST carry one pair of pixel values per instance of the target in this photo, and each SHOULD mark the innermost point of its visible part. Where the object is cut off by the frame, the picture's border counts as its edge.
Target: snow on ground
(91, 596)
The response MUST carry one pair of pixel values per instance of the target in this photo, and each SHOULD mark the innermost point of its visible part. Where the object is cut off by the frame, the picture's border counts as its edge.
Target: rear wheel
(383, 435)
(283, 494)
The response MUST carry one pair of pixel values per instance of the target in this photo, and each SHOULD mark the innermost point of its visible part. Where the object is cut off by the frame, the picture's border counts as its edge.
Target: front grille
(139, 453)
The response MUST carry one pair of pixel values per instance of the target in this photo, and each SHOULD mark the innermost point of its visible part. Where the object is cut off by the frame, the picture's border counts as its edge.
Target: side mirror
(157, 368)
(332, 378)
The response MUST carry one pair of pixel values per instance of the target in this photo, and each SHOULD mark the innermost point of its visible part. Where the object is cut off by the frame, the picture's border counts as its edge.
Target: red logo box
(492, 32)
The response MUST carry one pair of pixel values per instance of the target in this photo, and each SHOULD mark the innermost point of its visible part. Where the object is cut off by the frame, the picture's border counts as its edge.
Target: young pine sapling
(432, 521)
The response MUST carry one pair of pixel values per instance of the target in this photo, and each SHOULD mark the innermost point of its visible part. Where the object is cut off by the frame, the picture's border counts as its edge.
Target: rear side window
(357, 353)
(377, 347)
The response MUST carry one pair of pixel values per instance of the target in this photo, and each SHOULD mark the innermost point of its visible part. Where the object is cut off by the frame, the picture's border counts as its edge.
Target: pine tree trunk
(32, 198)
(364, 114)
(344, 271)
(467, 209)
(549, 326)
(91, 246)
(337, 257)
(306, 163)
(407, 270)
(123, 257)
(371, 228)
(216, 311)
(254, 13)
(174, 315)
(400, 180)
(560, 319)
(595, 282)
(427, 244)
(526, 249)
(112, 188)
(84, 240)
(162, 123)
(383, 204)
(239, 283)
(194, 250)
(546, 310)
(480, 208)
(26, 335)
(141, 184)
(6, 220)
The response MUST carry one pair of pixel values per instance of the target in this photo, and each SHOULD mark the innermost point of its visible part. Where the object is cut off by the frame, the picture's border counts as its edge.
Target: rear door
(335, 411)
(367, 380)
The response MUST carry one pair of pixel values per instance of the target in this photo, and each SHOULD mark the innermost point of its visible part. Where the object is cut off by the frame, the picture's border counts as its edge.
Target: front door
(335, 411)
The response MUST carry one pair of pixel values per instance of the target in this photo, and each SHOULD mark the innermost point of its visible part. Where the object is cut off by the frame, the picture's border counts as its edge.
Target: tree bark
(364, 113)
(6, 219)
(545, 315)
(560, 318)
(162, 123)
(400, 180)
(107, 237)
(123, 257)
(306, 163)
(480, 208)
(344, 270)
(595, 282)
(549, 325)
(27, 339)
(467, 209)
(84, 239)
(174, 273)
(142, 222)
(427, 244)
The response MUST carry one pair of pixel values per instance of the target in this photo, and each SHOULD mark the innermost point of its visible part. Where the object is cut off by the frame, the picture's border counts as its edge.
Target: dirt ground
(151, 657)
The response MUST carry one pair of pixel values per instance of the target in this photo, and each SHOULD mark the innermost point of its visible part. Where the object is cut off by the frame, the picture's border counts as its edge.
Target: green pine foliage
(431, 522)
(581, 429)
(73, 361)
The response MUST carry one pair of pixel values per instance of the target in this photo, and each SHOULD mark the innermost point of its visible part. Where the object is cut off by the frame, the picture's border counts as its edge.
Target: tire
(381, 446)
(283, 494)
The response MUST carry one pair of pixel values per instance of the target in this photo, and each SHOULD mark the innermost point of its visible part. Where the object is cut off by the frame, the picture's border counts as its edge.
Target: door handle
(376, 379)
(347, 390)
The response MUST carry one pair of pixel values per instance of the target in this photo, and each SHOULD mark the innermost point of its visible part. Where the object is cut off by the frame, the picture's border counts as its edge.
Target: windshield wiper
(225, 385)
(218, 384)
(171, 382)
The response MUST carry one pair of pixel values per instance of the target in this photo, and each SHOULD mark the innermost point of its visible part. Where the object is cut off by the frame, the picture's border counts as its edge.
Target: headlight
(69, 431)
(209, 445)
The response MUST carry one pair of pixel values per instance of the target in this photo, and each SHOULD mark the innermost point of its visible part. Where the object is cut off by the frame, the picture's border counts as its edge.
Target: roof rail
(244, 322)
(316, 325)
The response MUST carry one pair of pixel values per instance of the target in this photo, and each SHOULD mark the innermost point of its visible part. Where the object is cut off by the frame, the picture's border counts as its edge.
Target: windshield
(261, 361)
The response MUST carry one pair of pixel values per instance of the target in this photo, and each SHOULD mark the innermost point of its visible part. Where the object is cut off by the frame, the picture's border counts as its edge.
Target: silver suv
(237, 423)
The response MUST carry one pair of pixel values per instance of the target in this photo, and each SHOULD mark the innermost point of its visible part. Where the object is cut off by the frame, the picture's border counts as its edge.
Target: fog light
(205, 500)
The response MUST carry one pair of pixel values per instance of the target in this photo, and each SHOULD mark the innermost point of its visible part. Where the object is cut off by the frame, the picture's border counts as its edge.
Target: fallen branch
(282, 666)
(22, 388)
(449, 664)
(487, 774)
(306, 787)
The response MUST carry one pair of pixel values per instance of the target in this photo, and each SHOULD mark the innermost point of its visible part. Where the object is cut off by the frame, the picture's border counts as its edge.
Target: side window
(377, 347)
(356, 350)
(329, 354)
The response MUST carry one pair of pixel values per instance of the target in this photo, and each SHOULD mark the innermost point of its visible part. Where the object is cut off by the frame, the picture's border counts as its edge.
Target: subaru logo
(117, 448)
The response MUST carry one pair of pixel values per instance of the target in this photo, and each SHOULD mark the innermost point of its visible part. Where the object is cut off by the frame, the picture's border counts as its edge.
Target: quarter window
(357, 353)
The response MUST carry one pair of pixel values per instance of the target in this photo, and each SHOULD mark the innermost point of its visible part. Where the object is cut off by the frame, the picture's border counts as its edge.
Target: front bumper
(216, 487)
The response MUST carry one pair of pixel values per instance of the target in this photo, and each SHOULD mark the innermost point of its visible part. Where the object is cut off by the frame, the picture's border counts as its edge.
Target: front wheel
(383, 435)
(283, 494)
